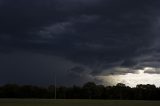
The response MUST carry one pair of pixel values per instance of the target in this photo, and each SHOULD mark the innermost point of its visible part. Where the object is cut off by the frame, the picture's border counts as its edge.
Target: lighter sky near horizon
(133, 79)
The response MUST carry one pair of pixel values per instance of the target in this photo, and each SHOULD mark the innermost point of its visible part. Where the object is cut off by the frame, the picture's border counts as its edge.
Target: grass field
(36, 102)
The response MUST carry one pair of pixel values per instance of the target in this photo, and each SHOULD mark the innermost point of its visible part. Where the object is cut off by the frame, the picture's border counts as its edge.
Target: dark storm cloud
(98, 35)
(32, 68)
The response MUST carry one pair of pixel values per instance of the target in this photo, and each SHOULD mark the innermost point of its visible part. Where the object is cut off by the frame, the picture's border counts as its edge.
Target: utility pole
(55, 87)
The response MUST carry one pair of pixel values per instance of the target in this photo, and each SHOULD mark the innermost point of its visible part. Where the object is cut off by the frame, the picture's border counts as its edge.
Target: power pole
(55, 87)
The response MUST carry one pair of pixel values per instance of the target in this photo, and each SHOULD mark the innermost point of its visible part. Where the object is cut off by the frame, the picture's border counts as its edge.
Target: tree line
(88, 91)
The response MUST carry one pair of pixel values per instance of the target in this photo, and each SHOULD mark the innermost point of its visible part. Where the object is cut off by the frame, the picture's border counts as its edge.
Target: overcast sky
(77, 39)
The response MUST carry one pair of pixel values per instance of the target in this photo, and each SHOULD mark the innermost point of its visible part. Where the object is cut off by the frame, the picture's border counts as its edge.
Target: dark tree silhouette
(88, 91)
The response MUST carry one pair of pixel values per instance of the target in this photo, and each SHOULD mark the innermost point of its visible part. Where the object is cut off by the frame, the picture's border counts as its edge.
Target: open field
(40, 102)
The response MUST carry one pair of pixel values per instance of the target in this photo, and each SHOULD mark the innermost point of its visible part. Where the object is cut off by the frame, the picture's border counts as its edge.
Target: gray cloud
(38, 69)
(153, 71)
(98, 35)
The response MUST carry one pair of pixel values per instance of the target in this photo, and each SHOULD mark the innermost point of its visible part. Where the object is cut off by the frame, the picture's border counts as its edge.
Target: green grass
(43, 102)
